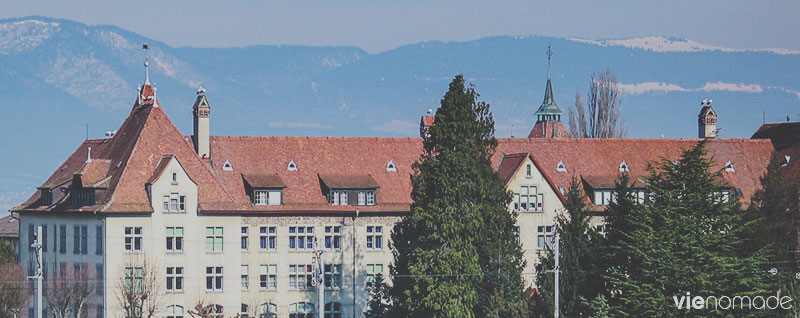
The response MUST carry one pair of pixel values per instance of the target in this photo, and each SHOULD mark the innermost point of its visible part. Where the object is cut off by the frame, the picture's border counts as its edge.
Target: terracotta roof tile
(9, 227)
(509, 164)
(544, 129)
(264, 181)
(354, 181)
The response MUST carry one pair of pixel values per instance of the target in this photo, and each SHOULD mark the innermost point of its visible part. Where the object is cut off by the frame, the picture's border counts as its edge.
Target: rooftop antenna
(146, 48)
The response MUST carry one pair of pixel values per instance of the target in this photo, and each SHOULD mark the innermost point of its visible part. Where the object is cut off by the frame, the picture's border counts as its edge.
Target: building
(233, 221)
(548, 116)
(785, 137)
(9, 231)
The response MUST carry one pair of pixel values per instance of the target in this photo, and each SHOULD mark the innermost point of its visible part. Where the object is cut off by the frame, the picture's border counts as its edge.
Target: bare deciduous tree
(68, 291)
(601, 117)
(13, 288)
(139, 290)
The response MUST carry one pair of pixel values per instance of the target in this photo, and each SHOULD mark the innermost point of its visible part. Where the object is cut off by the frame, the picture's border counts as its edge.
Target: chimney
(201, 112)
(425, 124)
(707, 121)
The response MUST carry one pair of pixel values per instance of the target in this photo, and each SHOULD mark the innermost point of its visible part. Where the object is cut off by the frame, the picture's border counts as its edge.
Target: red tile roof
(509, 164)
(786, 139)
(355, 181)
(544, 129)
(264, 181)
(9, 227)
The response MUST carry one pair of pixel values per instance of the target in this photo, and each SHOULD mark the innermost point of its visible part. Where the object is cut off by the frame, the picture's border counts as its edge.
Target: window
(268, 238)
(174, 178)
(528, 172)
(333, 310)
(214, 239)
(301, 310)
(98, 240)
(333, 276)
(333, 237)
(623, 167)
(214, 278)
(300, 276)
(82, 197)
(174, 311)
(516, 235)
(337, 198)
(47, 197)
(98, 270)
(603, 197)
(301, 237)
(244, 312)
(364, 198)
(44, 238)
(391, 167)
(528, 199)
(640, 195)
(267, 197)
(174, 203)
(76, 239)
(373, 270)
(217, 311)
(292, 166)
(729, 167)
(561, 167)
(174, 279)
(245, 278)
(62, 239)
(133, 278)
(244, 238)
(269, 277)
(544, 236)
(174, 239)
(84, 239)
(267, 310)
(133, 239)
(227, 166)
(374, 237)
(601, 229)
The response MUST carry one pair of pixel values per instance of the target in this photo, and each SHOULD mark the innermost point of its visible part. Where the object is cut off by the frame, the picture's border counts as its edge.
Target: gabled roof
(511, 164)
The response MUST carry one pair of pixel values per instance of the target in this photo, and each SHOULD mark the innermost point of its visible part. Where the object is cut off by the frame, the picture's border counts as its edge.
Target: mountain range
(64, 81)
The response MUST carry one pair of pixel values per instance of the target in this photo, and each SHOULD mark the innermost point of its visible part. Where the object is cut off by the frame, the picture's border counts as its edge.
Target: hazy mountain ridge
(60, 75)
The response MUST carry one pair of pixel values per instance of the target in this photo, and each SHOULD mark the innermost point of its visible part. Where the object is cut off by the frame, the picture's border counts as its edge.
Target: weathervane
(549, 52)
(146, 48)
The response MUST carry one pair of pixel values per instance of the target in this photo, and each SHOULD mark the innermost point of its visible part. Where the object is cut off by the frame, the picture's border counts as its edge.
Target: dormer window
(46, 196)
(82, 197)
(561, 167)
(264, 189)
(623, 167)
(227, 166)
(603, 197)
(729, 167)
(292, 166)
(786, 159)
(390, 167)
(349, 189)
(267, 197)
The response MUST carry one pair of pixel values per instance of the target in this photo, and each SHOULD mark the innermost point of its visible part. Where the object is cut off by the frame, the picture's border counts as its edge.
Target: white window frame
(544, 236)
(268, 276)
(268, 234)
(175, 238)
(302, 237)
(372, 272)
(245, 277)
(333, 237)
(217, 239)
(300, 276)
(333, 276)
(374, 240)
(175, 278)
(133, 239)
(214, 274)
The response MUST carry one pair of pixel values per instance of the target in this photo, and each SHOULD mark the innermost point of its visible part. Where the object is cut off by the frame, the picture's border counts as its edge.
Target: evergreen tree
(579, 282)
(685, 238)
(378, 305)
(772, 232)
(457, 248)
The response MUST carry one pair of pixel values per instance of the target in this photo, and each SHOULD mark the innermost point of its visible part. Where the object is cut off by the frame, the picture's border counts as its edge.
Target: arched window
(267, 310)
(301, 310)
(174, 311)
(333, 310)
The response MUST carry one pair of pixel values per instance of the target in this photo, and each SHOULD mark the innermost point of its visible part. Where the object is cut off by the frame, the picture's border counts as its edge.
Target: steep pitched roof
(786, 139)
(549, 129)
(602, 157)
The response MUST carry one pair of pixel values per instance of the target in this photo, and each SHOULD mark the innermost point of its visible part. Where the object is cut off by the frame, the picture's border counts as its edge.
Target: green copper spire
(548, 111)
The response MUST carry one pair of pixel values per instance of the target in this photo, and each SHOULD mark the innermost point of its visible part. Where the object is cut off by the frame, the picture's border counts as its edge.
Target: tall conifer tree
(456, 251)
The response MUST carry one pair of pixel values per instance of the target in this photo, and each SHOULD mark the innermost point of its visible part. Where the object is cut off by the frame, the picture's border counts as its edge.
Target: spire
(146, 48)
(548, 111)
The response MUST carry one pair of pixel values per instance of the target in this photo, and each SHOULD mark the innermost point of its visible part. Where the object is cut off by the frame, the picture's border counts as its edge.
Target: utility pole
(38, 276)
(557, 271)
(320, 279)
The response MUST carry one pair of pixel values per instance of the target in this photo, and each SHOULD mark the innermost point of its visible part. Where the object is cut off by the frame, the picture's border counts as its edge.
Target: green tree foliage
(772, 231)
(378, 305)
(579, 262)
(457, 249)
(686, 238)
(7, 252)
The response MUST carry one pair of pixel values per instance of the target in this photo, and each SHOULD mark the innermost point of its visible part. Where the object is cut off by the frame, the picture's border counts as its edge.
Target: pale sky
(380, 25)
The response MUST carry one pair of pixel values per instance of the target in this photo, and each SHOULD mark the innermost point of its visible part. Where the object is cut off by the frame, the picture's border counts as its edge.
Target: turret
(201, 112)
(548, 116)
(707, 120)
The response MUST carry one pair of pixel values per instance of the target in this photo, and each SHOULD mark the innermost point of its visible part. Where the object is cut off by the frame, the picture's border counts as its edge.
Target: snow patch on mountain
(646, 87)
(88, 79)
(24, 35)
(667, 44)
(115, 41)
